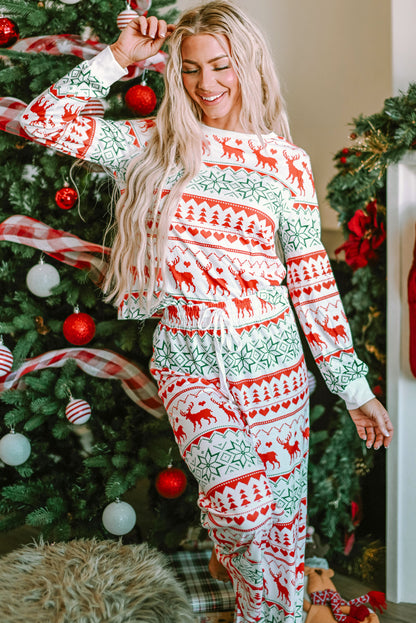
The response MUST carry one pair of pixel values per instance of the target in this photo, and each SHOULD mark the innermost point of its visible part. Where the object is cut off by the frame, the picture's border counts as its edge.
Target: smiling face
(210, 80)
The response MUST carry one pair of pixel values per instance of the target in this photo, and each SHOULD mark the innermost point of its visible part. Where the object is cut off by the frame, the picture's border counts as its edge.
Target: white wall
(334, 62)
(401, 384)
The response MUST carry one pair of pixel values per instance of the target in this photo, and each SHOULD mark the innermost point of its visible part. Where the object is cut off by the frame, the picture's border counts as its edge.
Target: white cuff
(105, 67)
(357, 393)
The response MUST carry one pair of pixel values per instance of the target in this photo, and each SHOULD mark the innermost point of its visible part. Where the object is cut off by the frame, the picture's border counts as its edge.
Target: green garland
(358, 194)
(341, 468)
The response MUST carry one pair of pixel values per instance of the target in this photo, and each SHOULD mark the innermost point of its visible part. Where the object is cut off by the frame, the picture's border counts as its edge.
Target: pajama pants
(234, 384)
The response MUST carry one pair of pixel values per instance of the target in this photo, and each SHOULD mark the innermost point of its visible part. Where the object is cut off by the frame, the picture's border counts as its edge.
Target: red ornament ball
(6, 359)
(171, 483)
(9, 32)
(343, 160)
(79, 328)
(66, 197)
(141, 99)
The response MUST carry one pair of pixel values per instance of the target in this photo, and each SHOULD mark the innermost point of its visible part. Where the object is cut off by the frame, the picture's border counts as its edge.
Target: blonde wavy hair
(144, 213)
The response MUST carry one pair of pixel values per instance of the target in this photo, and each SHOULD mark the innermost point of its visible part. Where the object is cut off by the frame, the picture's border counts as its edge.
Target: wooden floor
(347, 587)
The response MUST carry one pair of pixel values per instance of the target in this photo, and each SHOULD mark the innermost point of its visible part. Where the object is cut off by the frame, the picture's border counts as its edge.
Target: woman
(208, 185)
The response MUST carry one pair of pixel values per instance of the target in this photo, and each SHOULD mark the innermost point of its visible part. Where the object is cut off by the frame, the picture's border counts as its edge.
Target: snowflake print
(240, 453)
(208, 465)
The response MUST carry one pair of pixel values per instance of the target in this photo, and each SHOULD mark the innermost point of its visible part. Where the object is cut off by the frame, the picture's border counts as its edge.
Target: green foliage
(73, 472)
(333, 479)
(341, 468)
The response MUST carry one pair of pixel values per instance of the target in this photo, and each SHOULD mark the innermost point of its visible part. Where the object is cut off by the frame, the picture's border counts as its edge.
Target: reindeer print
(40, 108)
(230, 152)
(313, 338)
(267, 457)
(182, 278)
(243, 306)
(245, 284)
(282, 590)
(338, 332)
(198, 416)
(292, 448)
(309, 174)
(214, 283)
(232, 416)
(262, 160)
(179, 431)
(192, 312)
(295, 174)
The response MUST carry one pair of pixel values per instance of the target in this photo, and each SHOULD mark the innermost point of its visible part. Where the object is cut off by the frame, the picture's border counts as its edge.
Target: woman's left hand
(373, 424)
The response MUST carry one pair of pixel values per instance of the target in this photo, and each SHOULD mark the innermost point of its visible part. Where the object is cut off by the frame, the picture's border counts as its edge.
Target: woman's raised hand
(141, 38)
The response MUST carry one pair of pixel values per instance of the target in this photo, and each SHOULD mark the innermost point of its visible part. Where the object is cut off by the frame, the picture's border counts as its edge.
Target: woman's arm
(55, 117)
(316, 299)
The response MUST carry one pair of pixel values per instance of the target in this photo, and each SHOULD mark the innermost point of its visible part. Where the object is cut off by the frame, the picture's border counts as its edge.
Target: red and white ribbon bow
(57, 243)
(76, 46)
(10, 109)
(101, 363)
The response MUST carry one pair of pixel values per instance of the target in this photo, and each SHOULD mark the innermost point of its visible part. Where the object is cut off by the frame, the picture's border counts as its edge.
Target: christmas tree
(81, 424)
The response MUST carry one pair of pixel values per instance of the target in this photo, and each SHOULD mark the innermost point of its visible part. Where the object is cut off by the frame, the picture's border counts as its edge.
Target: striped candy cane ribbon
(57, 243)
(101, 363)
(10, 109)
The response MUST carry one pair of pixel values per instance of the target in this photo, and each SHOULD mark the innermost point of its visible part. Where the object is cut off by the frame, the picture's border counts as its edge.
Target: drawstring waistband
(225, 320)
(224, 334)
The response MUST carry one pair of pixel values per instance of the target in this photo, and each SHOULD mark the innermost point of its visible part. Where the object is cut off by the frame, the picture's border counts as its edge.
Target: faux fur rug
(89, 581)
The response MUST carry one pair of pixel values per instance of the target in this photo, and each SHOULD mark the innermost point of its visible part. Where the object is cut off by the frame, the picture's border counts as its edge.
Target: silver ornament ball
(14, 449)
(119, 518)
(41, 278)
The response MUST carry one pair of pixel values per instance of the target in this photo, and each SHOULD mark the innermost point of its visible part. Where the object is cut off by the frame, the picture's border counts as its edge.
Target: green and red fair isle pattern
(227, 355)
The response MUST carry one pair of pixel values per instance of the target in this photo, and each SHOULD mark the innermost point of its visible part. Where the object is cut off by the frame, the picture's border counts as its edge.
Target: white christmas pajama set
(227, 355)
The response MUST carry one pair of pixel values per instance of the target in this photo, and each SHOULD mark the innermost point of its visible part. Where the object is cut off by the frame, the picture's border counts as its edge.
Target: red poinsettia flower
(366, 235)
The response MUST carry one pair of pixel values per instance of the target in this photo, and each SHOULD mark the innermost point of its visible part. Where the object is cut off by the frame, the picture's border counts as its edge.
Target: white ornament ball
(78, 411)
(14, 449)
(41, 278)
(311, 382)
(70, 1)
(125, 17)
(6, 360)
(119, 518)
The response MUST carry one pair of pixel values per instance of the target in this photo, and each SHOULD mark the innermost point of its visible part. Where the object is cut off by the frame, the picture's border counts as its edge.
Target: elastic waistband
(231, 313)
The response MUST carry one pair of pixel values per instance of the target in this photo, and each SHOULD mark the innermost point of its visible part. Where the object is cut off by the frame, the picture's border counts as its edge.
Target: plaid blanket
(205, 593)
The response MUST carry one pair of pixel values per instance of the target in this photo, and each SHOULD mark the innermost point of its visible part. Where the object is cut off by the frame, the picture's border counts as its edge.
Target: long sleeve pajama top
(245, 194)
